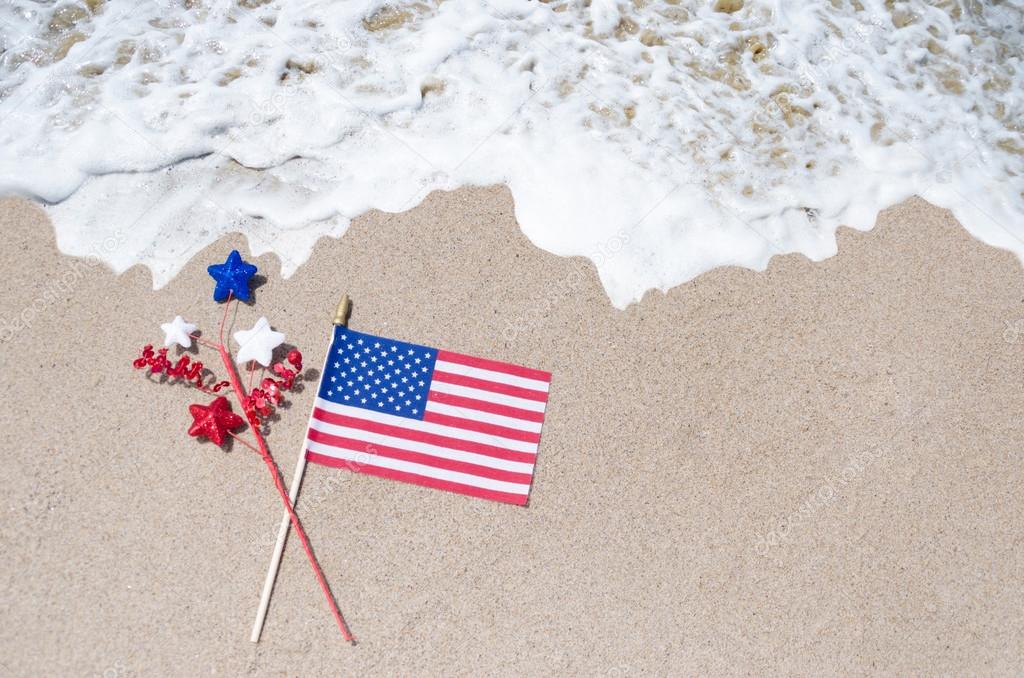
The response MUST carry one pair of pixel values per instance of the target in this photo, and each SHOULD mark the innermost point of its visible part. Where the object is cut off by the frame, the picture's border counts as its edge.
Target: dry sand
(695, 509)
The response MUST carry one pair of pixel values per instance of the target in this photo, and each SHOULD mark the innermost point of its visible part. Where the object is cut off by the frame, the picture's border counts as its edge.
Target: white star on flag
(177, 331)
(258, 343)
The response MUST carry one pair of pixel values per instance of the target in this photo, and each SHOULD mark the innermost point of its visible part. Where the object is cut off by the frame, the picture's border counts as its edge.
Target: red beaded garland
(184, 369)
(260, 402)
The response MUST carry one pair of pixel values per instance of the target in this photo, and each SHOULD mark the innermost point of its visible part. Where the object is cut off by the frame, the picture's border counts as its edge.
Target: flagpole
(340, 318)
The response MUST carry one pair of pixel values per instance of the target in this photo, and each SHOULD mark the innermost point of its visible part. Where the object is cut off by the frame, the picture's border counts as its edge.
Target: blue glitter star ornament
(233, 277)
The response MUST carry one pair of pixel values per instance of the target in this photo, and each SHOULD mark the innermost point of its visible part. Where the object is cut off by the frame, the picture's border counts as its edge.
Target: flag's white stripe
(362, 458)
(491, 375)
(489, 396)
(427, 427)
(485, 417)
(424, 448)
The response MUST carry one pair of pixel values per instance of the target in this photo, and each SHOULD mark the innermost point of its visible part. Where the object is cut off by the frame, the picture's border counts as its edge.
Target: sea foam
(660, 139)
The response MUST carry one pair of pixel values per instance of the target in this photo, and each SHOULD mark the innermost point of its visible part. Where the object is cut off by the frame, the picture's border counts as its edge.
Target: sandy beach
(807, 470)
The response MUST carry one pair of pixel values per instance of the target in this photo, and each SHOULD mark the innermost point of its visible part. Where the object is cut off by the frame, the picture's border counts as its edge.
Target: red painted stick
(275, 473)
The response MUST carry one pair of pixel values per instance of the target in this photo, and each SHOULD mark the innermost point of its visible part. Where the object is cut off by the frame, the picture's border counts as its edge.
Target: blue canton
(382, 375)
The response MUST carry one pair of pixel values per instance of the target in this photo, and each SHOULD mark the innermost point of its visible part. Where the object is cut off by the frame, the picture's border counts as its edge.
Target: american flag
(429, 417)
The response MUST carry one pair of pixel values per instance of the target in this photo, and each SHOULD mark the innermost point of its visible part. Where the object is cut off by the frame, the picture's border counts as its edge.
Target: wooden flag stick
(340, 318)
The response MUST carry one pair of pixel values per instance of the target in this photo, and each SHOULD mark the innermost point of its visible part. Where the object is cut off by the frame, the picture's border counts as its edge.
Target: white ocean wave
(660, 139)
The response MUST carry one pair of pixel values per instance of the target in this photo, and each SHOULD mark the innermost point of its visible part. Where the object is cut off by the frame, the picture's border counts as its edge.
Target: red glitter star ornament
(214, 420)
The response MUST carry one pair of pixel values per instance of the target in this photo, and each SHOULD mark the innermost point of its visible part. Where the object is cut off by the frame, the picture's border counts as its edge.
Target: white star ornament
(177, 331)
(258, 343)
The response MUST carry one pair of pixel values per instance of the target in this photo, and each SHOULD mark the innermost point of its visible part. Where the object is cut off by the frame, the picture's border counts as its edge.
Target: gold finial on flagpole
(341, 313)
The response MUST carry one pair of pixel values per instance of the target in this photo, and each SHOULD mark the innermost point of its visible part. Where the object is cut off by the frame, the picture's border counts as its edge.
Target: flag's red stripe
(484, 406)
(482, 427)
(423, 437)
(506, 497)
(494, 365)
(493, 386)
(417, 458)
